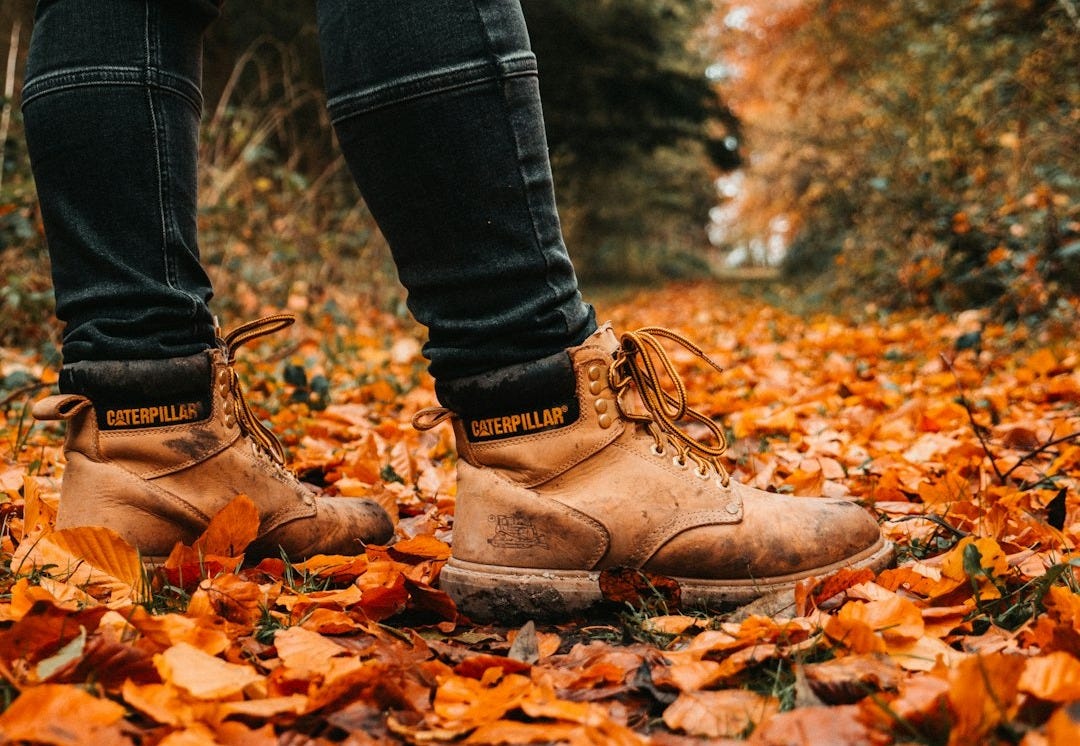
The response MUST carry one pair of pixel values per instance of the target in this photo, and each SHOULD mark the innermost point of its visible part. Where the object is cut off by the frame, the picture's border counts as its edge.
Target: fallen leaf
(815, 726)
(982, 693)
(201, 675)
(94, 558)
(62, 714)
(640, 588)
(231, 530)
(847, 680)
(729, 713)
(1054, 677)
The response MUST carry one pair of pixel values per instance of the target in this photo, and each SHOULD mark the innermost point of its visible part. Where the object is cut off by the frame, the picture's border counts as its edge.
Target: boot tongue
(130, 394)
(517, 400)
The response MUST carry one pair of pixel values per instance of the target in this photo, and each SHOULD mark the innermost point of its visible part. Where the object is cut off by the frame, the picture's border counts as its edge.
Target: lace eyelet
(679, 461)
(701, 474)
(656, 450)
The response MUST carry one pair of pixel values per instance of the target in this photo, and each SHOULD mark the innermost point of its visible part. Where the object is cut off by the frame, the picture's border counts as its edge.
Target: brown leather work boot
(156, 447)
(574, 464)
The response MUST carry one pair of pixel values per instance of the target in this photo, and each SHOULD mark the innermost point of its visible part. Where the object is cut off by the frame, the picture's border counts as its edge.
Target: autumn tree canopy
(923, 151)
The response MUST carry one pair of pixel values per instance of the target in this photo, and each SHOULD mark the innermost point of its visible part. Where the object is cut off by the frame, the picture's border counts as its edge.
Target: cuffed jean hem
(413, 87)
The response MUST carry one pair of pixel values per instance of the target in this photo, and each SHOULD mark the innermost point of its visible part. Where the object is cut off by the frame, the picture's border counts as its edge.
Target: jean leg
(112, 104)
(436, 105)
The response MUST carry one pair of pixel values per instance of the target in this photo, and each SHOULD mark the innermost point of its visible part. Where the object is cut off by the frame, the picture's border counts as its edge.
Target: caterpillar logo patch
(522, 423)
(152, 416)
(515, 532)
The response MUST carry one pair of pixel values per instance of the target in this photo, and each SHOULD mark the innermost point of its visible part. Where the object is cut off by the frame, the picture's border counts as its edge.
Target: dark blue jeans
(437, 109)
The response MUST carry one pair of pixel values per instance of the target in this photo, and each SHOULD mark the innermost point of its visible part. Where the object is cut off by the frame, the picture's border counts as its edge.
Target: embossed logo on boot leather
(515, 532)
(158, 415)
(521, 423)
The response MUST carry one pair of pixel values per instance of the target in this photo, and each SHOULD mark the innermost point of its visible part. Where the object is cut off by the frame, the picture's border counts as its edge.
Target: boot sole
(488, 593)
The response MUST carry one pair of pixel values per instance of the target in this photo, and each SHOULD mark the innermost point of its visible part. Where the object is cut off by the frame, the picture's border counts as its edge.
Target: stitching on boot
(658, 538)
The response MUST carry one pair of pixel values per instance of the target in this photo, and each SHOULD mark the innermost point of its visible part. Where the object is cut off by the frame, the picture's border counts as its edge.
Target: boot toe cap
(340, 525)
(779, 537)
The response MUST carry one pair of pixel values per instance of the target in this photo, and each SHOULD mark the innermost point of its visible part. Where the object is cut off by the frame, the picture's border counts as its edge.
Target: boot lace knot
(250, 425)
(642, 362)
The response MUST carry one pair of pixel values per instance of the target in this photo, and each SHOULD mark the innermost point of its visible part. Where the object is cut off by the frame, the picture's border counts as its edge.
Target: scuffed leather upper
(599, 494)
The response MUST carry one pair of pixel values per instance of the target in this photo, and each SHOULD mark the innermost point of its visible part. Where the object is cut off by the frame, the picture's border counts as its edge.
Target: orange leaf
(670, 624)
(949, 488)
(61, 714)
(724, 714)
(837, 583)
(1042, 361)
(982, 693)
(94, 558)
(203, 676)
(162, 703)
(516, 732)
(1063, 728)
(466, 702)
(229, 597)
(338, 568)
(383, 601)
(922, 702)
(1054, 677)
(230, 530)
(688, 676)
(305, 651)
(814, 726)
(419, 548)
(476, 666)
(166, 630)
(266, 707)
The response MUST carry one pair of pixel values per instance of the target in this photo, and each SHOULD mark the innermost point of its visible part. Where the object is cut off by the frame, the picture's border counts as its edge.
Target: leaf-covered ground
(960, 434)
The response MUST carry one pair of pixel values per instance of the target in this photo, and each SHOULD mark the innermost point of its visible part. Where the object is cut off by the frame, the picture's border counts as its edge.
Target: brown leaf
(837, 583)
(815, 726)
(229, 597)
(476, 666)
(383, 591)
(640, 588)
(44, 630)
(424, 598)
(108, 663)
(723, 714)
(849, 679)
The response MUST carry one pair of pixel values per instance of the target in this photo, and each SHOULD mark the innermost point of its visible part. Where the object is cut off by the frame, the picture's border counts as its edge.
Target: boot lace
(642, 362)
(250, 425)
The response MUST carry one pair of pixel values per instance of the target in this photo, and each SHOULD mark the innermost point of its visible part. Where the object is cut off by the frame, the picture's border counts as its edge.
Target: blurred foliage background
(904, 151)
